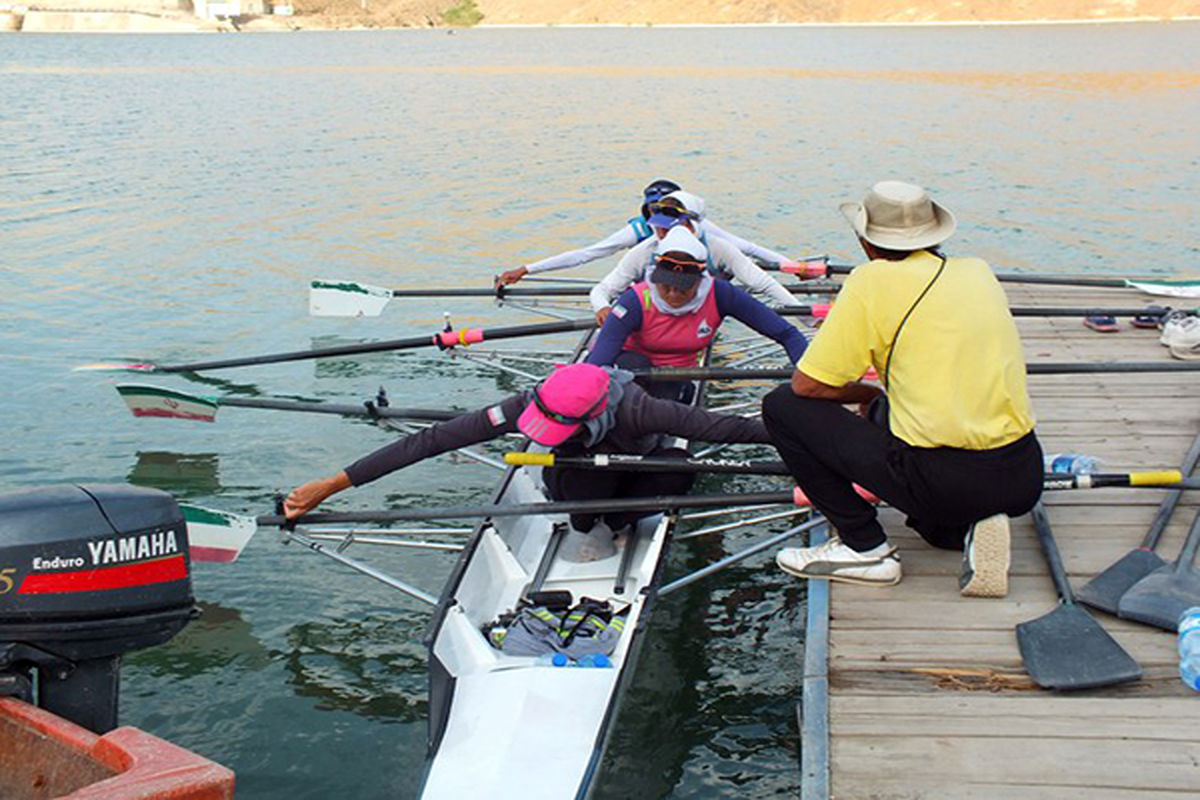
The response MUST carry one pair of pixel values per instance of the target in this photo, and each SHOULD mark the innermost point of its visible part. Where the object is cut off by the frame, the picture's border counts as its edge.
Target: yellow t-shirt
(957, 377)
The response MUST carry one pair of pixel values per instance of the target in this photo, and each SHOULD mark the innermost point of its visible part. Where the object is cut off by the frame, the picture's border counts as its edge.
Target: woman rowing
(580, 409)
(723, 259)
(637, 229)
(669, 320)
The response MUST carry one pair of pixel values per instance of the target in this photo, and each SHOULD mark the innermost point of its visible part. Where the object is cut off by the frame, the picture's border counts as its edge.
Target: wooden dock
(927, 695)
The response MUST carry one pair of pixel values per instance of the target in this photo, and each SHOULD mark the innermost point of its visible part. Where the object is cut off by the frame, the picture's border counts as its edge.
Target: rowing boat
(509, 726)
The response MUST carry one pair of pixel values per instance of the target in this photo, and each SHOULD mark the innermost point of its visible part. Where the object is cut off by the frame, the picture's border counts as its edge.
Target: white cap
(680, 239)
(691, 202)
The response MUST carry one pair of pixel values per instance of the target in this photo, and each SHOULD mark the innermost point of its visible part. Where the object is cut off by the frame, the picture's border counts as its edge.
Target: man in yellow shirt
(951, 443)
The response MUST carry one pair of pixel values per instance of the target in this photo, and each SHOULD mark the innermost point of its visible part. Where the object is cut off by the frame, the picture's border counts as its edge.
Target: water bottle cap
(559, 660)
(601, 660)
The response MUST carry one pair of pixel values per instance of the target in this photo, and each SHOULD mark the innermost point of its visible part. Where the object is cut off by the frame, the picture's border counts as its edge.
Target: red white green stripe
(328, 298)
(154, 401)
(1180, 288)
(216, 535)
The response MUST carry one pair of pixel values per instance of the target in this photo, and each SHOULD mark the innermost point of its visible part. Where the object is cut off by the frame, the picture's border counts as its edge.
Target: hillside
(337, 13)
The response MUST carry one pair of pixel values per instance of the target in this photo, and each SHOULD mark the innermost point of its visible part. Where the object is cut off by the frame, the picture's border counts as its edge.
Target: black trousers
(943, 490)
(566, 483)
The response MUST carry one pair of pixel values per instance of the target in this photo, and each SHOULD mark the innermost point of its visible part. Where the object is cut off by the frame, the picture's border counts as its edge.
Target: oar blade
(217, 536)
(1068, 650)
(328, 298)
(145, 400)
(1106, 589)
(1181, 288)
(113, 366)
(1160, 598)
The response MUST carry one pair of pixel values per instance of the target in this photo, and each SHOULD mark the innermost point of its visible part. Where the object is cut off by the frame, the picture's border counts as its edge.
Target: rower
(669, 320)
(637, 229)
(581, 409)
(726, 258)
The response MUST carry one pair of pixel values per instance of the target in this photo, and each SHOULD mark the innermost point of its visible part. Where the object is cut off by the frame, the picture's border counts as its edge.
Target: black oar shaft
(1167, 508)
(1015, 277)
(341, 409)
(1020, 311)
(1053, 557)
(1042, 368)
(376, 347)
(657, 503)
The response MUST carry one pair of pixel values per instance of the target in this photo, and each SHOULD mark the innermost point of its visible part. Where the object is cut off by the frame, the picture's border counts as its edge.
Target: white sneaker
(986, 558)
(595, 545)
(837, 562)
(1181, 330)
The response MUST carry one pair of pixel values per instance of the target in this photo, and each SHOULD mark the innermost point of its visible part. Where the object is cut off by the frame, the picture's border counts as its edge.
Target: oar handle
(341, 409)
(1053, 557)
(1042, 368)
(1171, 500)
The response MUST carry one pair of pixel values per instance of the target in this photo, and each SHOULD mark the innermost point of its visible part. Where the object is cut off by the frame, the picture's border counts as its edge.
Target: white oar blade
(215, 535)
(112, 366)
(1186, 288)
(346, 299)
(154, 401)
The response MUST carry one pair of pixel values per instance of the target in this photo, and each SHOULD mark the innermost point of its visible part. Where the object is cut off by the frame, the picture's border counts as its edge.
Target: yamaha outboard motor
(86, 574)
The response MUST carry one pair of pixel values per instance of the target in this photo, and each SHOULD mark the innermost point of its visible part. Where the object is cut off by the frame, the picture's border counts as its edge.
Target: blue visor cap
(668, 214)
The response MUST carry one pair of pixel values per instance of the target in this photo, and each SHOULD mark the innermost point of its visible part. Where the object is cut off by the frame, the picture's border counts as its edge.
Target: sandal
(1151, 319)
(1102, 323)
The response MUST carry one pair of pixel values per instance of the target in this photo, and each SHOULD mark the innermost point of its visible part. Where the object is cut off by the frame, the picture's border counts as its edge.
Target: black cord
(887, 370)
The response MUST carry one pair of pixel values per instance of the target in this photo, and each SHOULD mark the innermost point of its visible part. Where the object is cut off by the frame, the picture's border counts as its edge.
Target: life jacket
(670, 340)
(641, 229)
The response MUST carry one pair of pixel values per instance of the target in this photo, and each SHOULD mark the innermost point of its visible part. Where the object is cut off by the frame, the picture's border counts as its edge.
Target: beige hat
(899, 216)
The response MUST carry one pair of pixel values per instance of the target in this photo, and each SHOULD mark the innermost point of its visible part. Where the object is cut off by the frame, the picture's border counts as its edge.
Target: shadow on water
(219, 639)
(182, 474)
(371, 667)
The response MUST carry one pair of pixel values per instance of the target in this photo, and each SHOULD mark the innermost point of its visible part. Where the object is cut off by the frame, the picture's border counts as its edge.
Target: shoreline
(131, 22)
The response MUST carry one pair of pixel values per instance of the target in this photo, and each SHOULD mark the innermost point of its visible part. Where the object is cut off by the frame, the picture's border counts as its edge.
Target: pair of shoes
(837, 562)
(986, 558)
(1153, 318)
(580, 547)
(1102, 323)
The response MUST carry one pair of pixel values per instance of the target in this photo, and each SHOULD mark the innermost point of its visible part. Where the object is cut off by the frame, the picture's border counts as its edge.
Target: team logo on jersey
(704, 330)
(619, 311)
(495, 415)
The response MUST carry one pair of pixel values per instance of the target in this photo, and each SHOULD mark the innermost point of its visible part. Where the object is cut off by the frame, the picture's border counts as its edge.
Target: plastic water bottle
(552, 660)
(598, 660)
(1072, 464)
(1189, 647)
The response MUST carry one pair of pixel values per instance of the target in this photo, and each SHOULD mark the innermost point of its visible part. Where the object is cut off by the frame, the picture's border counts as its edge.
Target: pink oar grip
(821, 310)
(801, 499)
(804, 269)
(467, 336)
(870, 375)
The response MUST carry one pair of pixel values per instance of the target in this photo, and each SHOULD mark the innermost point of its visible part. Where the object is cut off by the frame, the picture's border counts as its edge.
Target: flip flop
(1149, 320)
(1103, 324)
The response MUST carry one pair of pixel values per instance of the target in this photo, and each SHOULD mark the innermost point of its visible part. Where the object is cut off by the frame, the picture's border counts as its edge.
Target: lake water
(170, 197)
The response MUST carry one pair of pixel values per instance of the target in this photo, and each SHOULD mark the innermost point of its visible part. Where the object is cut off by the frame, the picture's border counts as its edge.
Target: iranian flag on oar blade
(215, 535)
(154, 401)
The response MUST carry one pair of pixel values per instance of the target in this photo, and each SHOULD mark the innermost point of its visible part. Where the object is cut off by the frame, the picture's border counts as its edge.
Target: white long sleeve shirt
(723, 255)
(626, 238)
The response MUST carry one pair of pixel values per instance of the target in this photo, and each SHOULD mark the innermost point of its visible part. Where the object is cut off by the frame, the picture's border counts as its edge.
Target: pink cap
(564, 401)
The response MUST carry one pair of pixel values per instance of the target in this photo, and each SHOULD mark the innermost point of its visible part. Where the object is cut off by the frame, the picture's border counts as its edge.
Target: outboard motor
(86, 574)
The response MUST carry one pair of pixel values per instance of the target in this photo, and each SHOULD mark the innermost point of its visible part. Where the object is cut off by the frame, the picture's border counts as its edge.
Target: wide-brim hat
(563, 402)
(899, 216)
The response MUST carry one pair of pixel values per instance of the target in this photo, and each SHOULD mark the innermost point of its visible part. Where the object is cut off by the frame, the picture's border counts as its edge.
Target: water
(169, 197)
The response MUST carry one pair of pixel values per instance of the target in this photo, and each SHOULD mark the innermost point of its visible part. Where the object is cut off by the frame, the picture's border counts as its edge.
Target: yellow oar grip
(1155, 478)
(529, 459)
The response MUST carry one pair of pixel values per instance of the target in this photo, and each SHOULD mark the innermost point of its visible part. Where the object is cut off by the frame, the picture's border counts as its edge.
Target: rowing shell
(506, 727)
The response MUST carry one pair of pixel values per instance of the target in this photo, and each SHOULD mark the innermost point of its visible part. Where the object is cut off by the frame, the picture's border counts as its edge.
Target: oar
(1161, 597)
(1067, 649)
(820, 311)
(1156, 479)
(1106, 589)
(334, 298)
(145, 400)
(216, 536)
(443, 339)
(1171, 288)
(1040, 368)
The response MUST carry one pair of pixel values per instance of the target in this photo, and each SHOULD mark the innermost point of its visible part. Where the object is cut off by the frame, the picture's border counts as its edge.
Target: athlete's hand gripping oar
(1037, 368)
(155, 401)
(1171, 288)
(442, 339)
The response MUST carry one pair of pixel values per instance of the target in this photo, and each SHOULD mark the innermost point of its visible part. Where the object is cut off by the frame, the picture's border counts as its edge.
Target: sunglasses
(563, 418)
(676, 264)
(671, 210)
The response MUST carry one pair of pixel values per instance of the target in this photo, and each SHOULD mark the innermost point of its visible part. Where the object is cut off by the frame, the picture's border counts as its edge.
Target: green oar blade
(330, 298)
(154, 401)
(215, 535)
(1181, 288)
